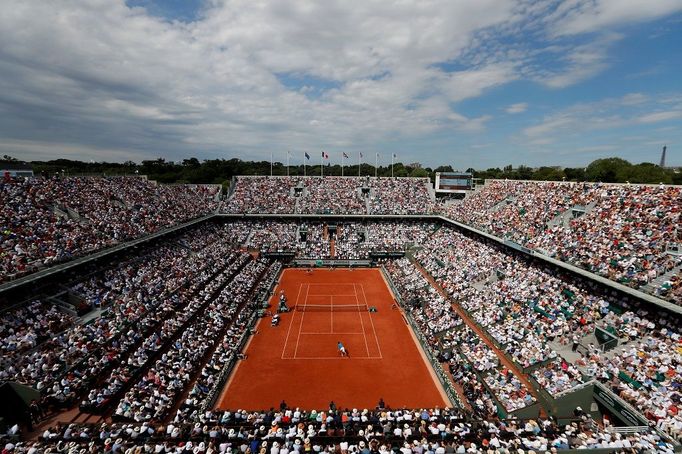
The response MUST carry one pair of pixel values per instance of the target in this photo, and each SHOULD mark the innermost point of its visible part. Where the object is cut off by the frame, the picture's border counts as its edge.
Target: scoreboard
(453, 182)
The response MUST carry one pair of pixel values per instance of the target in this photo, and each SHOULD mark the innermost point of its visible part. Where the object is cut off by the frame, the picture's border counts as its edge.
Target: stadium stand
(329, 195)
(167, 323)
(620, 231)
(47, 221)
(329, 431)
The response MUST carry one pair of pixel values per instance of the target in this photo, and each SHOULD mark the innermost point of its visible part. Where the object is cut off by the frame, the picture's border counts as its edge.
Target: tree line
(220, 171)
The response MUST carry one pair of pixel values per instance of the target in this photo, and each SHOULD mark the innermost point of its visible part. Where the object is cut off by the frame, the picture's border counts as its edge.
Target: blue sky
(480, 83)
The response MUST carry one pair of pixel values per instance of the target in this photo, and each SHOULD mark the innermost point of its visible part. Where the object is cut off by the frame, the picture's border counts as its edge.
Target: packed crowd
(262, 195)
(329, 195)
(647, 371)
(521, 305)
(468, 356)
(215, 372)
(337, 195)
(175, 317)
(47, 221)
(400, 196)
(270, 236)
(396, 236)
(352, 240)
(27, 326)
(618, 231)
(158, 391)
(381, 431)
(558, 376)
(138, 295)
(509, 389)
(526, 308)
(172, 317)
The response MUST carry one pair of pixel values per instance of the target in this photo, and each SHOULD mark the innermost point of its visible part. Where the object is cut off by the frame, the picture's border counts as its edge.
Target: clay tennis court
(299, 361)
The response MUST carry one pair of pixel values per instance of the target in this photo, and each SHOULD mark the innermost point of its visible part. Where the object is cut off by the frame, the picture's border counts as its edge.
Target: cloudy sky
(476, 83)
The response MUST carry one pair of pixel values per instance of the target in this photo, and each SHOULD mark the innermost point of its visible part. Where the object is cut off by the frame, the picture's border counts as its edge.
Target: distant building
(414, 165)
(16, 169)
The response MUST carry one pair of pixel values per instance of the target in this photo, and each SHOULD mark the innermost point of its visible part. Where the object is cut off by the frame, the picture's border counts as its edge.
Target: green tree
(647, 172)
(524, 173)
(191, 162)
(548, 174)
(574, 174)
(609, 170)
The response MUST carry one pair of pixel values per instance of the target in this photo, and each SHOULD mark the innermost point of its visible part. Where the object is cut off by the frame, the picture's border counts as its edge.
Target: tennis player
(342, 349)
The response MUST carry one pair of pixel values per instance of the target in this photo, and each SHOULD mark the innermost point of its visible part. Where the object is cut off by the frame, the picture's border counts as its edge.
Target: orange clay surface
(299, 362)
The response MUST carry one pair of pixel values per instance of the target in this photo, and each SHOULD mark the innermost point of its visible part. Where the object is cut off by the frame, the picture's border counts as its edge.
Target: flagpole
(288, 153)
(304, 164)
(270, 163)
(322, 165)
(342, 159)
(359, 154)
(392, 158)
(376, 164)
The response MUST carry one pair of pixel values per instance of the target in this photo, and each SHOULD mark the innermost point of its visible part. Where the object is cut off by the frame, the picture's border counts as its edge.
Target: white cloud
(517, 108)
(594, 148)
(655, 117)
(549, 126)
(216, 82)
(460, 85)
(45, 151)
(584, 16)
(106, 78)
(582, 62)
(606, 120)
(632, 99)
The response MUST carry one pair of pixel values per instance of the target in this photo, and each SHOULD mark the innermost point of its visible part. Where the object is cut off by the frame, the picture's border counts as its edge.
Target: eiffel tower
(662, 164)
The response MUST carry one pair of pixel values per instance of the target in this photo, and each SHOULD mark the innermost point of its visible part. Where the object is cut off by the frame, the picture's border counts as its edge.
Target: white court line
(376, 338)
(298, 338)
(330, 283)
(320, 334)
(336, 358)
(331, 313)
(362, 323)
(324, 294)
(291, 322)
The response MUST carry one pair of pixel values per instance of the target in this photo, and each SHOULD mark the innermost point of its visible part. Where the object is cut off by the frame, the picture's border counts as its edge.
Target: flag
(307, 156)
(345, 155)
(394, 155)
(325, 155)
(361, 154)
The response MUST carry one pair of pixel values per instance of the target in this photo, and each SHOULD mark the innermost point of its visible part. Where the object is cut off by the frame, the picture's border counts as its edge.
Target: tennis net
(332, 308)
